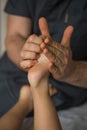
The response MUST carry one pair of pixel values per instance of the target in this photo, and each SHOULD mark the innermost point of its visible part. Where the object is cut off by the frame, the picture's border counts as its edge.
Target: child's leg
(13, 119)
(45, 115)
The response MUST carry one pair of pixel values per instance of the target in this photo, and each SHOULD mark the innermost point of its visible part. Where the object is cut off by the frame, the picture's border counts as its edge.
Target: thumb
(43, 25)
(67, 36)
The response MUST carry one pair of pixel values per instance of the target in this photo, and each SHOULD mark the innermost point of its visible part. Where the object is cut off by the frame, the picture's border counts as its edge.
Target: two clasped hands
(59, 55)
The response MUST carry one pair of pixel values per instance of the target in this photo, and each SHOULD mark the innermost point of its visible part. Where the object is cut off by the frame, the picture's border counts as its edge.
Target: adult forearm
(78, 76)
(14, 44)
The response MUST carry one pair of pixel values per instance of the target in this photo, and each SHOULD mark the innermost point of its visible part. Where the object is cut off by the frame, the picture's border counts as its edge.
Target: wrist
(40, 92)
(41, 87)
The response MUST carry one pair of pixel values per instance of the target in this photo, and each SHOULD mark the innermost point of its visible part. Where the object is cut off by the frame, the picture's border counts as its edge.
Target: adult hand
(59, 55)
(30, 52)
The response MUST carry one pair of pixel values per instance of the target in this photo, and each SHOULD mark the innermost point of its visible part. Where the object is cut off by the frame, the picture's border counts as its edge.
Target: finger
(57, 57)
(35, 39)
(27, 63)
(47, 40)
(42, 46)
(54, 47)
(45, 43)
(51, 53)
(29, 55)
(42, 37)
(52, 68)
(48, 54)
(32, 47)
(67, 36)
(54, 43)
(43, 25)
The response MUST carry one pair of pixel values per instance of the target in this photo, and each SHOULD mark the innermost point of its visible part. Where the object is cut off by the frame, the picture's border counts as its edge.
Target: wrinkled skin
(59, 54)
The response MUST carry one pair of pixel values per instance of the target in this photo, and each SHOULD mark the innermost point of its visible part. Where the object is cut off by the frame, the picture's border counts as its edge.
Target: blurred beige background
(2, 26)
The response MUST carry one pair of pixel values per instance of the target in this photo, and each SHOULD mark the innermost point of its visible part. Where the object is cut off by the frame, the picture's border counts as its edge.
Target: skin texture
(45, 115)
(31, 51)
(32, 45)
(18, 47)
(16, 36)
(39, 96)
(61, 65)
(65, 70)
(59, 54)
(39, 78)
(13, 119)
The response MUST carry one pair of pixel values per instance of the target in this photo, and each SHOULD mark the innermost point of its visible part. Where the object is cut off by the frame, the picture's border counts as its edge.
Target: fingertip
(42, 19)
(45, 51)
(46, 40)
(42, 45)
(22, 65)
(43, 25)
(68, 31)
(67, 36)
(70, 27)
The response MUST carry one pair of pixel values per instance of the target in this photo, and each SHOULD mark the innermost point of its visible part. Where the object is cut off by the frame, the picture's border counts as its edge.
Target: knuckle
(24, 54)
(26, 46)
(32, 37)
(24, 64)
